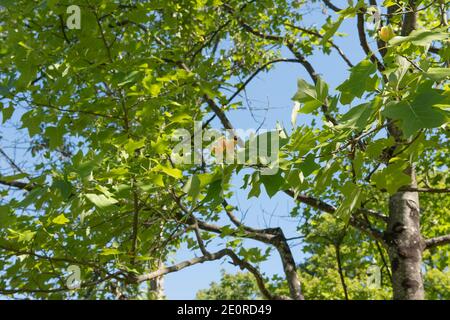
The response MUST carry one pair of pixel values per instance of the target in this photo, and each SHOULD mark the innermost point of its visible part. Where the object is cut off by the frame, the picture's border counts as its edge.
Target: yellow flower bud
(386, 33)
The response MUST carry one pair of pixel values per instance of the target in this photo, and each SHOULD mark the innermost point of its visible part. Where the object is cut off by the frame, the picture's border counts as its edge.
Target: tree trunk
(156, 286)
(405, 244)
(289, 266)
(403, 237)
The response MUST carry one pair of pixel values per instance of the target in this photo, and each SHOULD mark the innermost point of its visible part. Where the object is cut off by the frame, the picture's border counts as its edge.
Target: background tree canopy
(100, 193)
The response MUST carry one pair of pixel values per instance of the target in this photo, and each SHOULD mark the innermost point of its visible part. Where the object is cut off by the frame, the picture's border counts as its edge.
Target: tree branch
(255, 73)
(438, 241)
(134, 237)
(11, 161)
(426, 190)
(75, 111)
(301, 59)
(409, 18)
(270, 236)
(211, 257)
(364, 227)
(62, 289)
(325, 207)
(363, 41)
(18, 185)
(337, 249)
(41, 256)
(331, 6)
(316, 34)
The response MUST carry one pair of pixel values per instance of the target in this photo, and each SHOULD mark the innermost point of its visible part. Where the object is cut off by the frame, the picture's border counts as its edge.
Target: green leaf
(101, 201)
(226, 231)
(255, 191)
(253, 255)
(173, 172)
(294, 113)
(24, 45)
(61, 219)
(295, 178)
(392, 177)
(64, 187)
(332, 30)
(192, 187)
(418, 113)
(32, 121)
(155, 89)
(208, 178)
(357, 117)
(214, 193)
(26, 236)
(157, 179)
(312, 97)
(303, 140)
(325, 175)
(389, 3)
(55, 136)
(358, 82)
(375, 148)
(14, 177)
(131, 146)
(7, 112)
(23, 236)
(272, 183)
(351, 201)
(438, 74)
(7, 217)
(308, 165)
(421, 37)
(109, 252)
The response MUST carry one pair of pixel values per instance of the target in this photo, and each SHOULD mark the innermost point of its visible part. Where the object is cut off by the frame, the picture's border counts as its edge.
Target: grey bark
(289, 266)
(405, 244)
(410, 18)
(403, 237)
(156, 288)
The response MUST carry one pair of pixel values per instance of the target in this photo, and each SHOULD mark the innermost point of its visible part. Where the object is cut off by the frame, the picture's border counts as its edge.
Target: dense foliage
(101, 190)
